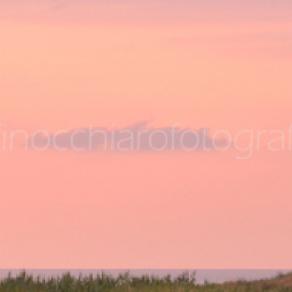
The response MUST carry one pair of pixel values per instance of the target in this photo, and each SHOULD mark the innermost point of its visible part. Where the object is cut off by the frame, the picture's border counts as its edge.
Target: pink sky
(197, 64)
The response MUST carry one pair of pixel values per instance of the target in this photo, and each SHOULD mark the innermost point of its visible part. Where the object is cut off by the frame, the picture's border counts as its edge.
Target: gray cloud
(135, 138)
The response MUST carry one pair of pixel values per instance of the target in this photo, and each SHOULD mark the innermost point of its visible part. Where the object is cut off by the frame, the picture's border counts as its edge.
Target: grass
(127, 283)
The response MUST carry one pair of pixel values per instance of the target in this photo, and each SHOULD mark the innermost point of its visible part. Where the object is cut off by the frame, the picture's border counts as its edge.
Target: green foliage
(127, 283)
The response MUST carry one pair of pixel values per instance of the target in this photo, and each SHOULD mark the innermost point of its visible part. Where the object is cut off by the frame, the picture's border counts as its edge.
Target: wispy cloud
(138, 137)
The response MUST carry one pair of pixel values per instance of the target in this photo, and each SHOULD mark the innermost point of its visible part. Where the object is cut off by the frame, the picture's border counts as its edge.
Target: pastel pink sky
(215, 64)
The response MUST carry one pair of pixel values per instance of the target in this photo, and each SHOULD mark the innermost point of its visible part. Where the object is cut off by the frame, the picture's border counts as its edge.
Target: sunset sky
(70, 64)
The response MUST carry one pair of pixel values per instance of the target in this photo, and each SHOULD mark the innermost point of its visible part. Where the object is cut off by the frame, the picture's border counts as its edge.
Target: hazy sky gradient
(197, 64)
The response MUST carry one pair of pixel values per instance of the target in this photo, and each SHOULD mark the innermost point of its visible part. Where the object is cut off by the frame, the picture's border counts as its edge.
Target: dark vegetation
(127, 283)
